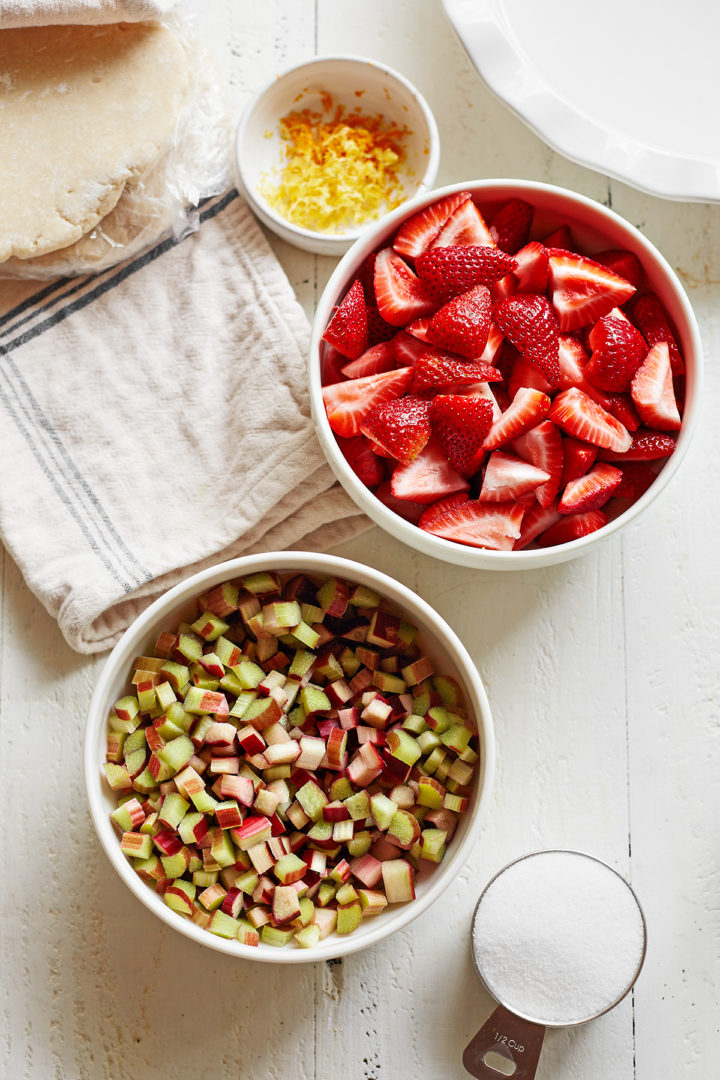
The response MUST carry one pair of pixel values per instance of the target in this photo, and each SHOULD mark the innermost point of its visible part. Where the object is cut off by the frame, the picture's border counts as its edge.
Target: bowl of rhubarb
(504, 373)
(287, 757)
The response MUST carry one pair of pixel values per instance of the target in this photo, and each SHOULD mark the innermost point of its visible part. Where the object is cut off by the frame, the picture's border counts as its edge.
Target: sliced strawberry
(378, 329)
(572, 527)
(377, 358)
(536, 520)
(449, 271)
(348, 328)
(573, 359)
(331, 364)
(408, 348)
(366, 465)
(578, 457)
(542, 446)
(591, 491)
(439, 507)
(527, 409)
(418, 232)
(420, 328)
(482, 390)
(524, 373)
(636, 479)
(646, 446)
(399, 293)
(584, 419)
(463, 324)
(530, 324)
(508, 477)
(560, 238)
(406, 508)
(652, 390)
(428, 478)
(486, 525)
(460, 424)
(623, 263)
(622, 408)
(466, 225)
(510, 227)
(348, 403)
(506, 286)
(440, 369)
(533, 268)
(618, 350)
(652, 321)
(583, 291)
(494, 342)
(400, 427)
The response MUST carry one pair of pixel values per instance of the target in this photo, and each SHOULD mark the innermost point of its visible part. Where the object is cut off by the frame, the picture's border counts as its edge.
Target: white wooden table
(602, 676)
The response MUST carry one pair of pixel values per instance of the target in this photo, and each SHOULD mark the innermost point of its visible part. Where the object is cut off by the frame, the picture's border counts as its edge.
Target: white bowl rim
(450, 551)
(424, 183)
(310, 562)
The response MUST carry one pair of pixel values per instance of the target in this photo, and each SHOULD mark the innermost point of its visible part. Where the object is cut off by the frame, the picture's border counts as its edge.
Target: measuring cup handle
(510, 1037)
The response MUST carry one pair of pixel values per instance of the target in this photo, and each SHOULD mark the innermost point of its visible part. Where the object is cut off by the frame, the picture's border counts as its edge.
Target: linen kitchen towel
(15, 13)
(155, 421)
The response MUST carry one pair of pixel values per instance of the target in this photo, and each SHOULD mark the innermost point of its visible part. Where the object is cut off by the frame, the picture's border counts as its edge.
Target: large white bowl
(595, 228)
(435, 636)
(259, 149)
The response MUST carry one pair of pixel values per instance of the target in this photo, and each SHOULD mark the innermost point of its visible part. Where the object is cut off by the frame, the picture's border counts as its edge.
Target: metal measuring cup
(510, 1040)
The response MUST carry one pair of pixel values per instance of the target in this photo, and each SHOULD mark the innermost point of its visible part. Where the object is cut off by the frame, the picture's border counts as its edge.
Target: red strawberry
(331, 364)
(463, 324)
(561, 239)
(573, 358)
(439, 507)
(439, 369)
(481, 390)
(584, 419)
(399, 294)
(494, 341)
(524, 373)
(542, 446)
(407, 509)
(348, 328)
(623, 263)
(460, 425)
(420, 328)
(465, 226)
(428, 478)
(378, 329)
(652, 390)
(653, 323)
(449, 271)
(527, 409)
(368, 468)
(348, 403)
(646, 446)
(536, 520)
(583, 291)
(408, 348)
(621, 407)
(578, 458)
(636, 479)
(510, 227)
(377, 358)
(418, 232)
(508, 477)
(618, 350)
(591, 491)
(533, 268)
(572, 527)
(530, 324)
(506, 286)
(494, 525)
(400, 427)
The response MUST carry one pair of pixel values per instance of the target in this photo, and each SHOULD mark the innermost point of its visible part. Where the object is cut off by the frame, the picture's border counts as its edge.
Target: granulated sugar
(558, 937)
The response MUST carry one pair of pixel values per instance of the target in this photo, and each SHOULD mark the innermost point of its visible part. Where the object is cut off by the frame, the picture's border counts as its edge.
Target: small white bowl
(435, 636)
(353, 82)
(595, 228)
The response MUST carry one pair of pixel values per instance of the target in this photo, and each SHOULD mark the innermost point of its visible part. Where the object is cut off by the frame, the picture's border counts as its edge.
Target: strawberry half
(348, 403)
(419, 231)
(400, 427)
(493, 525)
(583, 291)
(645, 446)
(405, 508)
(523, 373)
(584, 419)
(373, 361)
(510, 226)
(463, 324)
(439, 507)
(508, 477)
(533, 268)
(526, 409)
(366, 465)
(449, 271)
(591, 491)
(652, 390)
(427, 478)
(560, 238)
(536, 520)
(623, 263)
(466, 225)
(636, 479)
(460, 424)
(572, 527)
(439, 369)
(378, 329)
(347, 331)
(653, 323)
(618, 350)
(399, 293)
(530, 324)
(542, 446)
(578, 458)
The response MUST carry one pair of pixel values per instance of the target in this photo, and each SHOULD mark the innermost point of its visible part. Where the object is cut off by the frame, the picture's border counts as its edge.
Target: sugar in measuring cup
(558, 938)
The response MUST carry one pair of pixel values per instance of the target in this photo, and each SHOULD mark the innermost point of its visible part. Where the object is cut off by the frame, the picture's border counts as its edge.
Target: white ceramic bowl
(259, 149)
(436, 637)
(595, 228)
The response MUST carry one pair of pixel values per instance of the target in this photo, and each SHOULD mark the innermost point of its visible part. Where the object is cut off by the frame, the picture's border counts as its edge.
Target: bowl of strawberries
(504, 373)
